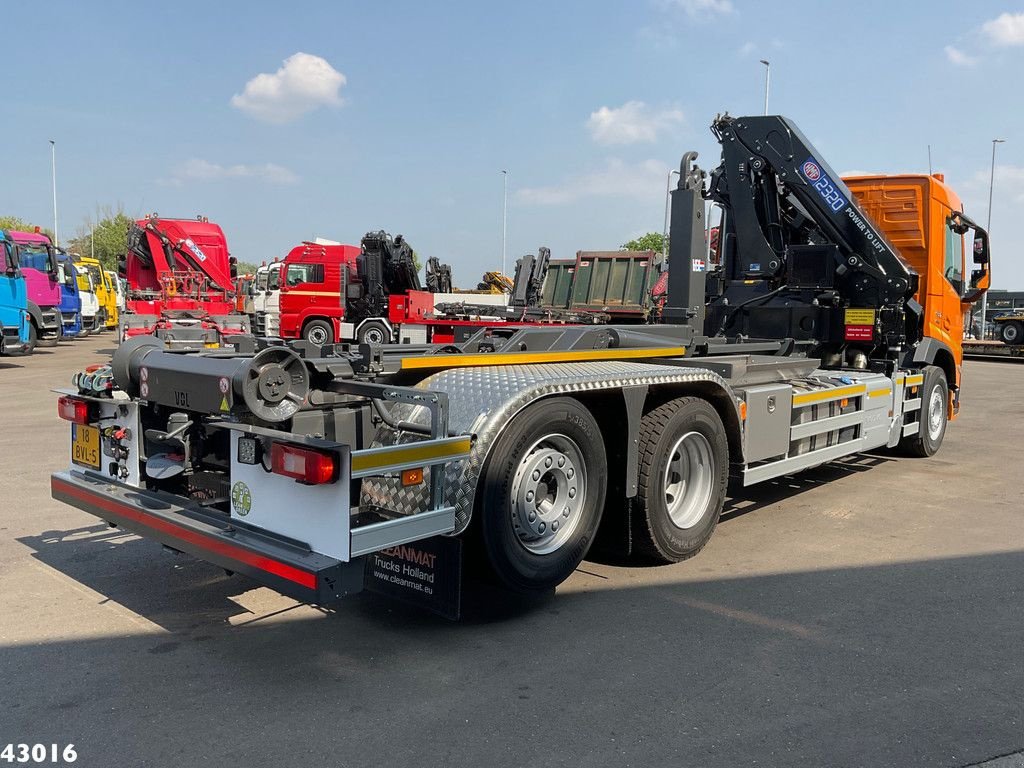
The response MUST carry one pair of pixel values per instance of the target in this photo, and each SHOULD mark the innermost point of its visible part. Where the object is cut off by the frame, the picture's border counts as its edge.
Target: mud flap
(425, 573)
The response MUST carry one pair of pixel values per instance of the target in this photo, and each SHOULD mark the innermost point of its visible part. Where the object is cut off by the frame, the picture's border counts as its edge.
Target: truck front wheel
(318, 332)
(542, 494)
(684, 470)
(934, 404)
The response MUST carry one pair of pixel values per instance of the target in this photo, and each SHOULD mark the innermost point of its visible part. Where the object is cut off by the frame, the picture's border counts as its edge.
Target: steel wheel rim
(373, 336)
(316, 335)
(935, 406)
(549, 490)
(1010, 332)
(687, 479)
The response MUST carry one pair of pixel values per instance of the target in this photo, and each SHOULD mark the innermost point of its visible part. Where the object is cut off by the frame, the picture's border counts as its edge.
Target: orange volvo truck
(923, 217)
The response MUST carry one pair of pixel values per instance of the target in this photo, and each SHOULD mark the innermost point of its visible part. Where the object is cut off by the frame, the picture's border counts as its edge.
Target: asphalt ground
(869, 612)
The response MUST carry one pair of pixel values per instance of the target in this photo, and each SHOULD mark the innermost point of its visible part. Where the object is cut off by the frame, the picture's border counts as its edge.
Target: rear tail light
(74, 410)
(306, 465)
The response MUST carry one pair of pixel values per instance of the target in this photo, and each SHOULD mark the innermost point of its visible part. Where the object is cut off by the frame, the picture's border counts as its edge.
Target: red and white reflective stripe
(203, 541)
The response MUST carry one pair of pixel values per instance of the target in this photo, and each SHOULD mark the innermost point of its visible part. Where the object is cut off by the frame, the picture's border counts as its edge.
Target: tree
(652, 241)
(246, 268)
(19, 224)
(108, 237)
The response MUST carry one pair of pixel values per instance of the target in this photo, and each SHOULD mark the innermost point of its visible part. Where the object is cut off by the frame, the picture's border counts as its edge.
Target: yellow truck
(106, 292)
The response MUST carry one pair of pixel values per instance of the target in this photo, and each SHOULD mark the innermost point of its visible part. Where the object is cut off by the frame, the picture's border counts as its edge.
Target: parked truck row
(47, 294)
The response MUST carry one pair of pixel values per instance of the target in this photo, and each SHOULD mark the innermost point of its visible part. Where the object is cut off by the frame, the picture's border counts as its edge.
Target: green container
(558, 283)
(616, 282)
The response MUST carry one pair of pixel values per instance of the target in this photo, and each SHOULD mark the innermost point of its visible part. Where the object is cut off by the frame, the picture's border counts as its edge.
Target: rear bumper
(281, 564)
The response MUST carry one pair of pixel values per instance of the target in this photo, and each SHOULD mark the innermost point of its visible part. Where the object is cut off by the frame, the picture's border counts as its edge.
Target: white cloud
(641, 181)
(703, 8)
(203, 170)
(958, 57)
(746, 49)
(302, 84)
(1006, 29)
(1008, 185)
(631, 123)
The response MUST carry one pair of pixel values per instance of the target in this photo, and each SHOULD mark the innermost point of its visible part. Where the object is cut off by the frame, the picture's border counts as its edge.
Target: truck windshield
(35, 256)
(96, 275)
(274, 279)
(261, 281)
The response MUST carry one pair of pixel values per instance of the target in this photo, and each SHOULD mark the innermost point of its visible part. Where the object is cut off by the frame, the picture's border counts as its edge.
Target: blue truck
(14, 319)
(70, 299)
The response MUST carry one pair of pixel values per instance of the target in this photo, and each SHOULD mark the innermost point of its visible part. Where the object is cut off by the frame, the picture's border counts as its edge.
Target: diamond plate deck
(483, 400)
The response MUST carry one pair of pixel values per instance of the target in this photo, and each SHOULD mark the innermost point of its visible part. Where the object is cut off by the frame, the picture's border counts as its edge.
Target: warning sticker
(859, 317)
(224, 384)
(859, 333)
(699, 265)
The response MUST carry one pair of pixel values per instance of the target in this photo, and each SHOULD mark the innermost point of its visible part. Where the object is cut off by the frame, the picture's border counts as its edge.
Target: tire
(318, 332)
(684, 471)
(553, 448)
(934, 405)
(373, 332)
(1012, 332)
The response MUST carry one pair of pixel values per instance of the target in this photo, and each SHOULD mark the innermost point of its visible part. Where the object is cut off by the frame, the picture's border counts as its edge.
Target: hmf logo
(811, 171)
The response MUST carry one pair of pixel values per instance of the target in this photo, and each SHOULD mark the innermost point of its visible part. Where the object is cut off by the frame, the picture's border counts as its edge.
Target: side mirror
(981, 279)
(981, 255)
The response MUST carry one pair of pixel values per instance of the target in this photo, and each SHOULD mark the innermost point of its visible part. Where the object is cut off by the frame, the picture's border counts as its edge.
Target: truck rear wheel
(373, 332)
(1011, 332)
(319, 332)
(934, 405)
(684, 470)
(542, 493)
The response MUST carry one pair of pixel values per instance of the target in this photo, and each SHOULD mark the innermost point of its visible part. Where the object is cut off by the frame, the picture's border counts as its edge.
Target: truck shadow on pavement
(901, 663)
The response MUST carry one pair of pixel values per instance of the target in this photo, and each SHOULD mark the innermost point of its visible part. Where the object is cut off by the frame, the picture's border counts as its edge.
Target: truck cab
(267, 299)
(70, 300)
(106, 293)
(313, 281)
(118, 287)
(924, 218)
(38, 263)
(17, 330)
(90, 304)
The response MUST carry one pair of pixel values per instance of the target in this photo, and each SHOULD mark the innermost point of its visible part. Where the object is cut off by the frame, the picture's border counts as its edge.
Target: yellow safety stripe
(914, 380)
(880, 393)
(522, 358)
(431, 452)
(829, 394)
(291, 292)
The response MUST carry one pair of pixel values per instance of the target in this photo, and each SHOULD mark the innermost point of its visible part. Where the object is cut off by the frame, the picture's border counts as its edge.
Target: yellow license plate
(85, 445)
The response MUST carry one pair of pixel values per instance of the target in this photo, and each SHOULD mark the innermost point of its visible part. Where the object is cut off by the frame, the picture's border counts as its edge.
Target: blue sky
(401, 115)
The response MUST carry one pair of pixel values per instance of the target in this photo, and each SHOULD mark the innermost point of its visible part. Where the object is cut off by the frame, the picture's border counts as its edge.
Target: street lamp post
(664, 234)
(767, 82)
(504, 217)
(991, 185)
(53, 171)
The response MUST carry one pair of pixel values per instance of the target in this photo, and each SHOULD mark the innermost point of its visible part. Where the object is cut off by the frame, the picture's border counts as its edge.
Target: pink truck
(38, 262)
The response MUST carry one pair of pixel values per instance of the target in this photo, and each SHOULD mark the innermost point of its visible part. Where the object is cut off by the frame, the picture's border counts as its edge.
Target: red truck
(180, 283)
